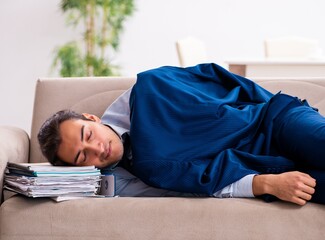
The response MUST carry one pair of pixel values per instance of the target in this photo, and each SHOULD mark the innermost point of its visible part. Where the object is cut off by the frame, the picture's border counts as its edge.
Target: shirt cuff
(244, 187)
(240, 189)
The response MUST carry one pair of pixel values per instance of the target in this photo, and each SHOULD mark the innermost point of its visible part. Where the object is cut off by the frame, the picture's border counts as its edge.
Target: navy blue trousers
(300, 136)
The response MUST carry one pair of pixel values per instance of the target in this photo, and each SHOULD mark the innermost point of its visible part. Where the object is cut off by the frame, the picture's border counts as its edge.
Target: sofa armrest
(14, 147)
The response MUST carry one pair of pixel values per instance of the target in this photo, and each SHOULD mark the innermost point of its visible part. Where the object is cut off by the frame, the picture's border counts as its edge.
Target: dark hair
(49, 137)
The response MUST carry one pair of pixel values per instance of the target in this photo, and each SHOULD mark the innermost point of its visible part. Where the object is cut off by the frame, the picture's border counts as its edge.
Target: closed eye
(90, 134)
(85, 157)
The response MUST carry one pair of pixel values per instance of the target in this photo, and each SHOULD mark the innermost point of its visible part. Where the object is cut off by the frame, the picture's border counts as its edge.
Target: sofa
(122, 218)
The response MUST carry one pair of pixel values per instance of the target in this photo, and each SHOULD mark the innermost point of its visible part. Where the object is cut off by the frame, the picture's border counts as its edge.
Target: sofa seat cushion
(159, 218)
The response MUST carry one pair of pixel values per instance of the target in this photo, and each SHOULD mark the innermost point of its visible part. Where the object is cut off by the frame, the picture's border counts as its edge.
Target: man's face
(87, 143)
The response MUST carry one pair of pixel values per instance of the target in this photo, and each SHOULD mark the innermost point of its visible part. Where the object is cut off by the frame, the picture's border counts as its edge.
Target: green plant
(103, 23)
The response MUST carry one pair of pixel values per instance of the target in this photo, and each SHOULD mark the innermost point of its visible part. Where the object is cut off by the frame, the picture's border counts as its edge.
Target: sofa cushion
(159, 218)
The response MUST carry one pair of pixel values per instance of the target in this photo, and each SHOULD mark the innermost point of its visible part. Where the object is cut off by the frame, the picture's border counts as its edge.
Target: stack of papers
(45, 180)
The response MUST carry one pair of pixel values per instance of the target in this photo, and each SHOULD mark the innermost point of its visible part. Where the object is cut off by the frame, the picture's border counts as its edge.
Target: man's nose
(94, 147)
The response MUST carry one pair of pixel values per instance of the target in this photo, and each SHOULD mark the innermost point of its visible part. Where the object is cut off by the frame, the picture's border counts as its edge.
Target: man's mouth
(108, 150)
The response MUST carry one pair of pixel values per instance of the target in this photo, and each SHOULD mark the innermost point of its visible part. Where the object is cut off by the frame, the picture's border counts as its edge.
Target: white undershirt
(117, 116)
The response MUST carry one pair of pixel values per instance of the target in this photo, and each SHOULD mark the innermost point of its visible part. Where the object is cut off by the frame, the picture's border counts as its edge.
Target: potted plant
(102, 22)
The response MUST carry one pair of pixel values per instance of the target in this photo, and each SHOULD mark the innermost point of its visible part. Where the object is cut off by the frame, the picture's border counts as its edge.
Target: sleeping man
(197, 131)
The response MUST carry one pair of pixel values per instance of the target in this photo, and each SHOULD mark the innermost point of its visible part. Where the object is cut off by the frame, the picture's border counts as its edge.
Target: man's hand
(296, 187)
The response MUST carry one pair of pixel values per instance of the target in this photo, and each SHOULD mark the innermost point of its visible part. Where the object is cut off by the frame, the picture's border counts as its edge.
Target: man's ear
(91, 117)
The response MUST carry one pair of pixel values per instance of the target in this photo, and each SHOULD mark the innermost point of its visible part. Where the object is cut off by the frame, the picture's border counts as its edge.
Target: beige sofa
(143, 218)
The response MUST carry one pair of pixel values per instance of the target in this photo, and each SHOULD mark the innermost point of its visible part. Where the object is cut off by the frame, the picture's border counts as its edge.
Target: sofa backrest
(311, 89)
(94, 94)
(85, 94)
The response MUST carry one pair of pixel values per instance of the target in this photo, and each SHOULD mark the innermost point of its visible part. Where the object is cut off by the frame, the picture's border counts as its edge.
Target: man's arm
(127, 185)
(296, 187)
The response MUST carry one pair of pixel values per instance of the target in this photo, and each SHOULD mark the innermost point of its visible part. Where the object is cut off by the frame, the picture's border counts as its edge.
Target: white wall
(231, 29)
